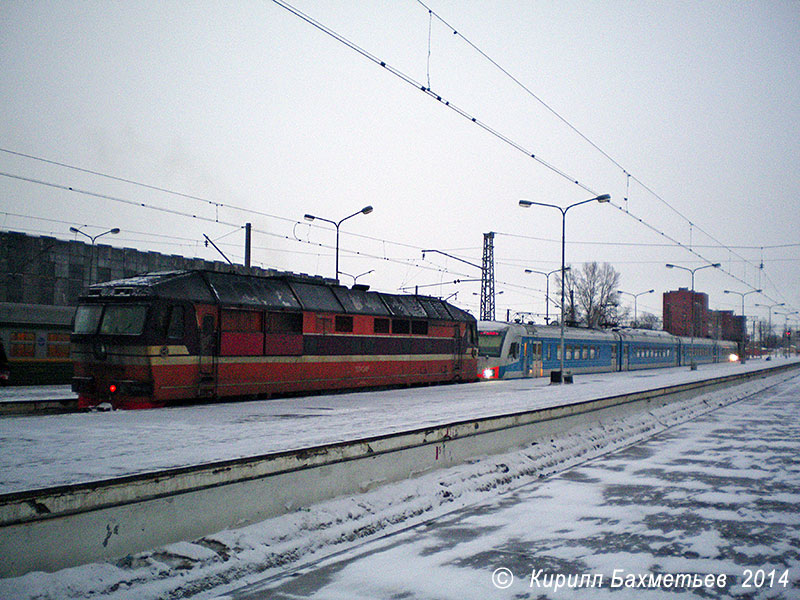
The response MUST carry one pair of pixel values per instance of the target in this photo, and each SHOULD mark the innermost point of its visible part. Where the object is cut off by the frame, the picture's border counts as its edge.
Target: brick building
(727, 326)
(678, 313)
(715, 324)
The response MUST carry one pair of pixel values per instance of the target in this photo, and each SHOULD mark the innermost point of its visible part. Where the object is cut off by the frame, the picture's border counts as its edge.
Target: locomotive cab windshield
(110, 319)
(490, 342)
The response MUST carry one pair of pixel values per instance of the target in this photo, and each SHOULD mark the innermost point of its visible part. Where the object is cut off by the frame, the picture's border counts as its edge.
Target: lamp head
(366, 210)
(525, 203)
(604, 198)
(115, 230)
(308, 217)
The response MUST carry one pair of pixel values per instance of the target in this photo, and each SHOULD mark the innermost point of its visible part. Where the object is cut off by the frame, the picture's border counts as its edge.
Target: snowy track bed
(114, 518)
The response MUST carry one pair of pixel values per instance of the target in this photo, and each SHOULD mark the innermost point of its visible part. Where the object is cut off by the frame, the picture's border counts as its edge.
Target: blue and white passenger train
(510, 350)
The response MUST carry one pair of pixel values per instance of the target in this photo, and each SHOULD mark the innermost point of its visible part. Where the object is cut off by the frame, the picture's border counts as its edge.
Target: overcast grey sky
(243, 104)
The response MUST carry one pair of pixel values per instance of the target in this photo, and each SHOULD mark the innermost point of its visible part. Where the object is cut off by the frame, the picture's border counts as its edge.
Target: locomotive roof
(282, 292)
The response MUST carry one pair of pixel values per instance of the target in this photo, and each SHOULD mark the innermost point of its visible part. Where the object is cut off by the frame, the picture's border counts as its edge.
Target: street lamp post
(635, 299)
(547, 291)
(528, 204)
(743, 358)
(770, 307)
(693, 364)
(364, 211)
(93, 238)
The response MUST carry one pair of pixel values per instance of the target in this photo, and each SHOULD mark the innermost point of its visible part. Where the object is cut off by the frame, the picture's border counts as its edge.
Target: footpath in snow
(667, 505)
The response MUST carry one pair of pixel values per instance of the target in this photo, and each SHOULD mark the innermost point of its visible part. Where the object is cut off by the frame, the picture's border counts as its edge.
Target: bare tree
(591, 296)
(649, 321)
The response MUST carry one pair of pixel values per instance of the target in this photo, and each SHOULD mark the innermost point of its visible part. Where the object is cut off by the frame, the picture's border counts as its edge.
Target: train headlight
(733, 357)
(491, 373)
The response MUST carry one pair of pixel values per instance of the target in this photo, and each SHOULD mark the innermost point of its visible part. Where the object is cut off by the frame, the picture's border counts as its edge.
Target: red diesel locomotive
(182, 336)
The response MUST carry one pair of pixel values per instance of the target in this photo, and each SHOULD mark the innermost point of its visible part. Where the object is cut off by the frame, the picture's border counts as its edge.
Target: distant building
(727, 326)
(716, 324)
(678, 313)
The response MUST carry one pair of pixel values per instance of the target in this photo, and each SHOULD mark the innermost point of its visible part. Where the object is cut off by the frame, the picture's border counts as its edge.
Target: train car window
(87, 319)
(592, 353)
(568, 355)
(175, 326)
(343, 324)
(242, 333)
(419, 327)
(123, 319)
(58, 345)
(401, 326)
(208, 326)
(23, 344)
(241, 320)
(284, 322)
(585, 352)
(614, 352)
(513, 350)
(537, 350)
(381, 326)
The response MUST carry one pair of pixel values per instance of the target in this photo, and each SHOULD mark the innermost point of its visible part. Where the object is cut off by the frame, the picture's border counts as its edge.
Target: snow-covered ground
(717, 498)
(43, 451)
(29, 393)
(714, 496)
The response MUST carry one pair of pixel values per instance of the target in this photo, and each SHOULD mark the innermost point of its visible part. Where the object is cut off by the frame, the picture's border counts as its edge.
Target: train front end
(491, 359)
(117, 345)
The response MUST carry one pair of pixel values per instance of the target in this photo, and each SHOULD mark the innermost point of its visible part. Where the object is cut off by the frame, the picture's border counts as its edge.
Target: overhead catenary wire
(504, 138)
(427, 90)
(578, 132)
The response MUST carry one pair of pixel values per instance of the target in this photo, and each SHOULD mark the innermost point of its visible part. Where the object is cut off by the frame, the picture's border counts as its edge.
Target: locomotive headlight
(733, 357)
(491, 373)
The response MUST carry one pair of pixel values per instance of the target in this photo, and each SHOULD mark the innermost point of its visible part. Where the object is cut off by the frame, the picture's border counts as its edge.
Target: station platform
(45, 451)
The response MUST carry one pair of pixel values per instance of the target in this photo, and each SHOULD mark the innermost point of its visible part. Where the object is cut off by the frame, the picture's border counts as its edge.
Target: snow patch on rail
(212, 565)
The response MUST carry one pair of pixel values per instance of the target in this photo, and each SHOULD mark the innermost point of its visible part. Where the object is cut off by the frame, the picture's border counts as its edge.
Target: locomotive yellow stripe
(148, 357)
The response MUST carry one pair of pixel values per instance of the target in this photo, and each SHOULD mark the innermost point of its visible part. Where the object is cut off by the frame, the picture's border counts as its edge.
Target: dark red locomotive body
(176, 337)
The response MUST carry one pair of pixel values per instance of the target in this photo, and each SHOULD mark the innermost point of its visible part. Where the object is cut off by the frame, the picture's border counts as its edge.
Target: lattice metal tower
(487, 278)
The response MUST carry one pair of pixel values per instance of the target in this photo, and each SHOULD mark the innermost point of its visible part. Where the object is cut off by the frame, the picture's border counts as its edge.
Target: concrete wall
(46, 270)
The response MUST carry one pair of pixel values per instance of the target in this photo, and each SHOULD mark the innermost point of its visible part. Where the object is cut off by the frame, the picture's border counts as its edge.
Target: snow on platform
(712, 501)
(684, 488)
(44, 451)
(36, 393)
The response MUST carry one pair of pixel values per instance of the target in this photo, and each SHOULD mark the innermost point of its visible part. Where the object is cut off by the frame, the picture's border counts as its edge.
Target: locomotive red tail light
(112, 388)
